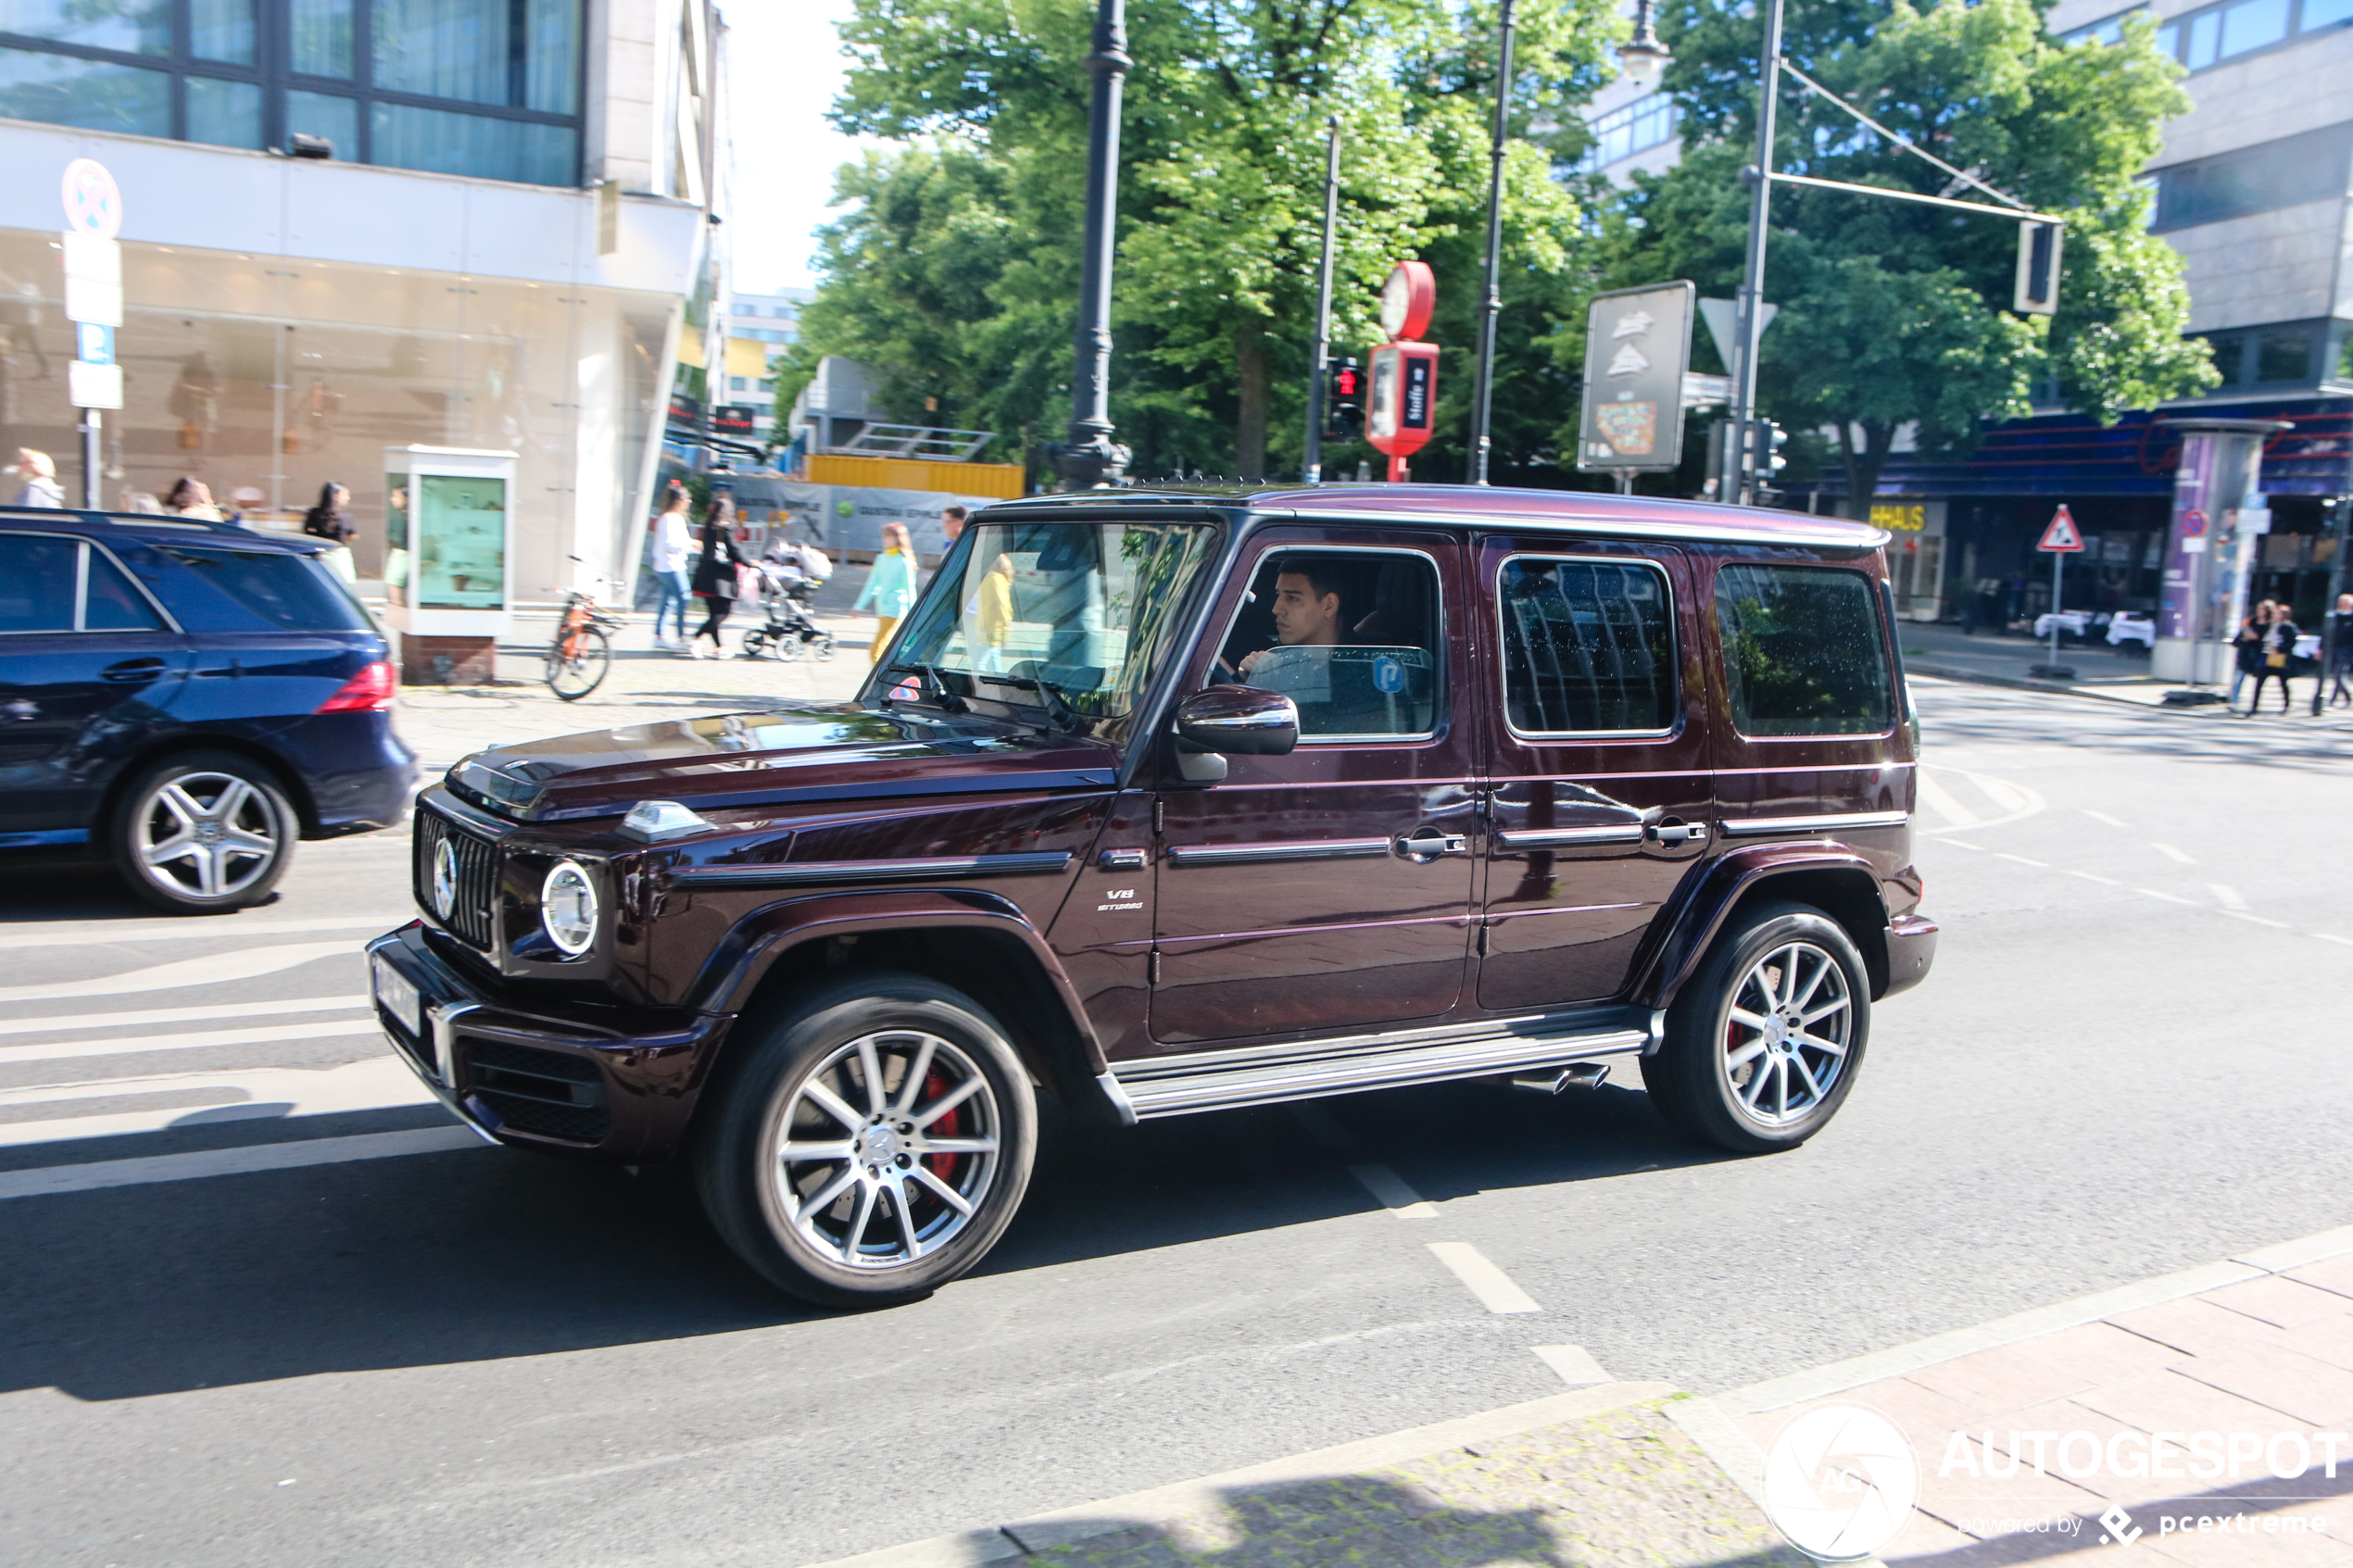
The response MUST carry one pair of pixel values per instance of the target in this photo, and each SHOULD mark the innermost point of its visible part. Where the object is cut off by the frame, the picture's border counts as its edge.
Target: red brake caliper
(950, 1124)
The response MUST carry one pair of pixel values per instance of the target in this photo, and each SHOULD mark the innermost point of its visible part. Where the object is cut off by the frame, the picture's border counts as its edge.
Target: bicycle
(581, 656)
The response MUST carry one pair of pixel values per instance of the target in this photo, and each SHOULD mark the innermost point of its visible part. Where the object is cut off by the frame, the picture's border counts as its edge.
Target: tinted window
(1588, 647)
(291, 591)
(36, 584)
(112, 604)
(1802, 651)
(1350, 636)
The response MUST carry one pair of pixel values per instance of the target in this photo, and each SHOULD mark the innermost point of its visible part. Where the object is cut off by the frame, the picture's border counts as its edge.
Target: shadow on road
(494, 1254)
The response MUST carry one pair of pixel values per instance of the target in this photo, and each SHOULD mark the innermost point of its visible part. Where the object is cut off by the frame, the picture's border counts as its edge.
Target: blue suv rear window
(281, 589)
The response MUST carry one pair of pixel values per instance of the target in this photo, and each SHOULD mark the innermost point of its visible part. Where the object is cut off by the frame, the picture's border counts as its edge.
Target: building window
(487, 88)
(1632, 128)
(2220, 33)
(2109, 30)
(2264, 178)
(2270, 358)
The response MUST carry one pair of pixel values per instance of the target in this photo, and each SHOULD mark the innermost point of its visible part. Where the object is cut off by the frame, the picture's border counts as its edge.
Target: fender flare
(1701, 913)
(736, 967)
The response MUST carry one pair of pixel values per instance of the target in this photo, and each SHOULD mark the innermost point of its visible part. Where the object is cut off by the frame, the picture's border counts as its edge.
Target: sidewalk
(2110, 675)
(2033, 1437)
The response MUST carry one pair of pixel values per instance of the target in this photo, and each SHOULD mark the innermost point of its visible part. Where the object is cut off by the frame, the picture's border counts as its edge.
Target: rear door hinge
(1486, 944)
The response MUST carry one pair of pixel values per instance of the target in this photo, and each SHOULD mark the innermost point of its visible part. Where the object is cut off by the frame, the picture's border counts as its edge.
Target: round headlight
(568, 909)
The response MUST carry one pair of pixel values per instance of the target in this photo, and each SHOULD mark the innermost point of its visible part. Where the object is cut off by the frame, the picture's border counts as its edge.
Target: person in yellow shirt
(994, 600)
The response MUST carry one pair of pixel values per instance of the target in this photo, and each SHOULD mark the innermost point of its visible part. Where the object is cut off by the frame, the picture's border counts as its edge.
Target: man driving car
(1306, 612)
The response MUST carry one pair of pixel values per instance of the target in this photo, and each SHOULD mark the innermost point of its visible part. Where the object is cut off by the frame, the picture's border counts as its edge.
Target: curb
(2018, 683)
(968, 1549)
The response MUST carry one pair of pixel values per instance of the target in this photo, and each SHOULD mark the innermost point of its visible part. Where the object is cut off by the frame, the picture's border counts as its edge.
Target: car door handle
(1424, 844)
(132, 671)
(1670, 835)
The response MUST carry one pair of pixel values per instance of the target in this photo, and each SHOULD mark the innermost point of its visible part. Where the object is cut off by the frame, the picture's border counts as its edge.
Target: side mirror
(1239, 720)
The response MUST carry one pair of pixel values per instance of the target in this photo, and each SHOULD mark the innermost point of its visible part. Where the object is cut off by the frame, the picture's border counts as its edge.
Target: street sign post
(2060, 540)
(93, 303)
(1638, 345)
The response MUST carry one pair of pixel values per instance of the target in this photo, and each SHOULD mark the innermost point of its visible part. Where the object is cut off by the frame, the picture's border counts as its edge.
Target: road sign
(2193, 524)
(1638, 343)
(93, 202)
(94, 278)
(93, 343)
(94, 386)
(2062, 537)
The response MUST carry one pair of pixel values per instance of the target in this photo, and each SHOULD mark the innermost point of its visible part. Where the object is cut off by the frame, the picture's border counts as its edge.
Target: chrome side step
(1308, 1070)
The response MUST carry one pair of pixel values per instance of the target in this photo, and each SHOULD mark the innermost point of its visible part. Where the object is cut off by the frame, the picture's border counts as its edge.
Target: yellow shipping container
(999, 480)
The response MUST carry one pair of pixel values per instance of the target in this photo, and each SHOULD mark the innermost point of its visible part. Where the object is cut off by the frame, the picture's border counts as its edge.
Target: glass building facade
(487, 88)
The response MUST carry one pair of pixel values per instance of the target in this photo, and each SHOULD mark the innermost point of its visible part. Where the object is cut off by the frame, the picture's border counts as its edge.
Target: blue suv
(187, 699)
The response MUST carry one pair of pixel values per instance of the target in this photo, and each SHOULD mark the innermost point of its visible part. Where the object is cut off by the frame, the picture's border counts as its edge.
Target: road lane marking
(98, 933)
(77, 1050)
(47, 1180)
(2332, 936)
(2227, 897)
(2102, 816)
(376, 1083)
(2095, 876)
(178, 1015)
(2169, 897)
(1574, 1362)
(1938, 799)
(215, 968)
(2006, 855)
(1490, 1285)
(1323, 1127)
(1393, 1193)
(2256, 919)
(1957, 844)
(2013, 802)
(2172, 853)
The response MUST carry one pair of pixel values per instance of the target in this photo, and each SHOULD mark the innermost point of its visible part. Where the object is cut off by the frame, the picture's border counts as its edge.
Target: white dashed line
(2170, 853)
(268, 1034)
(2152, 893)
(2257, 920)
(1958, 844)
(179, 1015)
(1393, 1193)
(1490, 1285)
(2095, 876)
(2102, 816)
(2006, 855)
(91, 1175)
(1574, 1362)
(2227, 897)
(2332, 936)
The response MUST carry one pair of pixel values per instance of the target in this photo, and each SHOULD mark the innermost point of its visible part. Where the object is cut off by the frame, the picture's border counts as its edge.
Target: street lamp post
(1491, 305)
(1090, 458)
(1320, 365)
(1750, 316)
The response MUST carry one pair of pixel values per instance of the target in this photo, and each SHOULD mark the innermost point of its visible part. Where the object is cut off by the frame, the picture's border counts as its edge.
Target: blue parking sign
(1389, 675)
(92, 344)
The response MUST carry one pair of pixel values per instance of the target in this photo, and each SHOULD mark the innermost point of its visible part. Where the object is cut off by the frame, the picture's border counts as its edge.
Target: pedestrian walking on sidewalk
(331, 520)
(674, 547)
(2274, 647)
(40, 476)
(890, 588)
(2248, 647)
(2336, 655)
(717, 575)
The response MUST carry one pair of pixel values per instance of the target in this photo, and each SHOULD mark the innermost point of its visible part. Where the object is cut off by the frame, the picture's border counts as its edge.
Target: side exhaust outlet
(1554, 1080)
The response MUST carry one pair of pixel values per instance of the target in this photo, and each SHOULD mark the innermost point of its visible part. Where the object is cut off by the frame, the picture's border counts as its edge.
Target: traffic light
(2036, 292)
(1344, 402)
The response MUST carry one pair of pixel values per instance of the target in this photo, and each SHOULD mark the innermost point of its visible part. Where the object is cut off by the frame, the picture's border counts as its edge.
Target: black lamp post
(1090, 458)
(1490, 303)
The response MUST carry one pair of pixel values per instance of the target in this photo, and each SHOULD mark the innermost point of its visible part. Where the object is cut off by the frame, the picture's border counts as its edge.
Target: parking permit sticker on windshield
(1388, 675)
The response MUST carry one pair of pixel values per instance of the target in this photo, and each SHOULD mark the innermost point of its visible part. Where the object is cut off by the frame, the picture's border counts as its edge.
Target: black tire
(203, 833)
(574, 678)
(755, 1194)
(1723, 1081)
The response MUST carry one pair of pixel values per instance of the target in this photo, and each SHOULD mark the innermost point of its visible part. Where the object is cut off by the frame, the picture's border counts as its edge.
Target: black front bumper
(615, 1083)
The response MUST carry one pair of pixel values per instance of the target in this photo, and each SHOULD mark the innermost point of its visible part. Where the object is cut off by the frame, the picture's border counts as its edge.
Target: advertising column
(2221, 461)
(449, 544)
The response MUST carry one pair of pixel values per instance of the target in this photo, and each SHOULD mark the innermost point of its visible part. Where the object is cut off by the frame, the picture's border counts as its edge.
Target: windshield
(1066, 616)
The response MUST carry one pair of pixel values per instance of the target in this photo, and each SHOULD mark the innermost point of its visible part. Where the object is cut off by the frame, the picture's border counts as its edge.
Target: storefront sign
(1906, 517)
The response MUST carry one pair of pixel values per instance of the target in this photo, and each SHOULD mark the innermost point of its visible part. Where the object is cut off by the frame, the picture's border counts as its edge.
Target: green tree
(1894, 314)
(956, 268)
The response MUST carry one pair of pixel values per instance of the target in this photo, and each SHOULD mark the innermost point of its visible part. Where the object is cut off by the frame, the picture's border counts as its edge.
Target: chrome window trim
(1437, 578)
(1674, 639)
(1752, 827)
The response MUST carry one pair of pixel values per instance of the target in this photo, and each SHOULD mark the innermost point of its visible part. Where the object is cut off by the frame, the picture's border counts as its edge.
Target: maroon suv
(1164, 802)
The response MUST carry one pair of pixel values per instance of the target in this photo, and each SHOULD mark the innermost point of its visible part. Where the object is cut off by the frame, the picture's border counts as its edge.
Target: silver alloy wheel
(1786, 1034)
(208, 834)
(887, 1150)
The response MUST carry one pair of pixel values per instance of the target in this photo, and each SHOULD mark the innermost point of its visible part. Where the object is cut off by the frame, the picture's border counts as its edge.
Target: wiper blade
(949, 701)
(1065, 718)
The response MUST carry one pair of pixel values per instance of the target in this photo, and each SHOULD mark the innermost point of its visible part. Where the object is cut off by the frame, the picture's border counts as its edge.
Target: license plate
(399, 997)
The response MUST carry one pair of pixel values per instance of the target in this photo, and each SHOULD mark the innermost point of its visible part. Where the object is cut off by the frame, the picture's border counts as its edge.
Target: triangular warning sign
(2061, 537)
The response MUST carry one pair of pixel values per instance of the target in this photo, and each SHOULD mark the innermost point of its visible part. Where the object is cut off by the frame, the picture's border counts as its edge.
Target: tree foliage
(955, 270)
(1896, 315)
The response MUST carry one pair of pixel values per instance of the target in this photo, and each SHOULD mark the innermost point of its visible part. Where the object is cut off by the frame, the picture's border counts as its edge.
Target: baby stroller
(785, 593)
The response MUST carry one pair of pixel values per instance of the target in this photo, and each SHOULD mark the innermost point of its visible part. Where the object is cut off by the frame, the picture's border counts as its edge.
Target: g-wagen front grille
(477, 878)
(535, 1091)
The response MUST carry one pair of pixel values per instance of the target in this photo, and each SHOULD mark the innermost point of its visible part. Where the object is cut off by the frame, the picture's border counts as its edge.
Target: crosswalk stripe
(47, 1180)
(76, 1050)
(99, 933)
(212, 969)
(378, 1082)
(178, 1015)
(1938, 799)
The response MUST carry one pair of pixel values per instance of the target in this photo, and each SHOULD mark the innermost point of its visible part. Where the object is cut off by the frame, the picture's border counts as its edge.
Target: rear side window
(290, 591)
(37, 577)
(1589, 647)
(1802, 651)
(111, 604)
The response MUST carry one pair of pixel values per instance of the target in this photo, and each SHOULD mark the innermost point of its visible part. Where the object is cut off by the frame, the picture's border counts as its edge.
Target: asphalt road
(2132, 1058)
